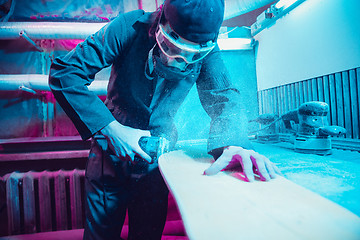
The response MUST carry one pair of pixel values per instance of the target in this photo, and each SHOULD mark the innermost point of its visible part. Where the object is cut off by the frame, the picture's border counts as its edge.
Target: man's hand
(124, 141)
(250, 161)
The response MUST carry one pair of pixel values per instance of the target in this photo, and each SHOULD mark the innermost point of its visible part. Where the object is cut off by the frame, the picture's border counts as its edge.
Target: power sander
(309, 124)
(313, 133)
(154, 146)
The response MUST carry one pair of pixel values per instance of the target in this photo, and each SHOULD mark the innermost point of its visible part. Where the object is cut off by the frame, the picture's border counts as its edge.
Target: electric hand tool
(154, 146)
(310, 125)
(313, 134)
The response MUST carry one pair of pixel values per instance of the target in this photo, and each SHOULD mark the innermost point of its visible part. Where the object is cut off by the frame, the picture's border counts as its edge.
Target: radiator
(44, 201)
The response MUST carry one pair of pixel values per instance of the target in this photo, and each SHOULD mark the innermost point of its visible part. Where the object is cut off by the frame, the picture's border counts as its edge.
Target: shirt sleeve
(222, 102)
(70, 75)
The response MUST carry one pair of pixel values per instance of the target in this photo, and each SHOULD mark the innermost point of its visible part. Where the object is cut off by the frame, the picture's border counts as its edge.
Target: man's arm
(228, 141)
(71, 75)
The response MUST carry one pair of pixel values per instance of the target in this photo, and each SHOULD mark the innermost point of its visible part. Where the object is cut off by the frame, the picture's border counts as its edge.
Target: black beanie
(195, 20)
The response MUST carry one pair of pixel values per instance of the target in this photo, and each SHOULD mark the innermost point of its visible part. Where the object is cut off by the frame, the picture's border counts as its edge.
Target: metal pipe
(271, 15)
(49, 30)
(39, 82)
(26, 37)
(26, 89)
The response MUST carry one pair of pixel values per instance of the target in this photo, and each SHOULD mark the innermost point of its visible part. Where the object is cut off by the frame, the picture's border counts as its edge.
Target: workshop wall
(316, 38)
(312, 54)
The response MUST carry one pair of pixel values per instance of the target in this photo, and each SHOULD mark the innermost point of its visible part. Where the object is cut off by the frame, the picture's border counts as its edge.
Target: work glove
(124, 141)
(248, 161)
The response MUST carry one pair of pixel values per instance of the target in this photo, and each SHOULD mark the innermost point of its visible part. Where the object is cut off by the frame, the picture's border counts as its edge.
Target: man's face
(178, 52)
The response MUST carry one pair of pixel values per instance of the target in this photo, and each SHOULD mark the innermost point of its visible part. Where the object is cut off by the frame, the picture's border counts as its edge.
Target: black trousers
(113, 186)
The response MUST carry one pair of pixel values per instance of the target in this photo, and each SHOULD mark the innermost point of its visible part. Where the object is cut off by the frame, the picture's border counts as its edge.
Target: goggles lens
(177, 47)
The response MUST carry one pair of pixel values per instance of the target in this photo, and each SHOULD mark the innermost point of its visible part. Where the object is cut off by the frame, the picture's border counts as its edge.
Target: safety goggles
(174, 46)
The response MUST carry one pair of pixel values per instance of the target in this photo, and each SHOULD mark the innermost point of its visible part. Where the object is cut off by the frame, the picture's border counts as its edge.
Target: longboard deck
(224, 207)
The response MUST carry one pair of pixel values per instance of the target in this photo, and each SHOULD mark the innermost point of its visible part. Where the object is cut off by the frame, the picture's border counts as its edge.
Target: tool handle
(331, 130)
(154, 146)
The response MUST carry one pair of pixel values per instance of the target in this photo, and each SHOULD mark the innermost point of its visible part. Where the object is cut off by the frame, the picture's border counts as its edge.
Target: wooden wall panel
(347, 104)
(333, 105)
(354, 101)
(339, 100)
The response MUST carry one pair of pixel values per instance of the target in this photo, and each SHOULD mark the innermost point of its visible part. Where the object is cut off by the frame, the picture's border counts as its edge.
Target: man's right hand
(124, 141)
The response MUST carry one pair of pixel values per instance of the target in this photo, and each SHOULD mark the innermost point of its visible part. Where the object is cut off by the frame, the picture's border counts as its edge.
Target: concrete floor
(336, 176)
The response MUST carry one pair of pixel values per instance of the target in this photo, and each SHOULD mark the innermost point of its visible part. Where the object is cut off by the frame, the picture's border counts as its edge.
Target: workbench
(314, 204)
(335, 177)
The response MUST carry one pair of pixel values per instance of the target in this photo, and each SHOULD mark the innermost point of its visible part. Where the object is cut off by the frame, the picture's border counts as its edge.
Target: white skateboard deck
(222, 207)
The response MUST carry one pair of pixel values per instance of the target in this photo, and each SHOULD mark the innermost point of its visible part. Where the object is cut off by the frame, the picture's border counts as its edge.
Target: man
(156, 58)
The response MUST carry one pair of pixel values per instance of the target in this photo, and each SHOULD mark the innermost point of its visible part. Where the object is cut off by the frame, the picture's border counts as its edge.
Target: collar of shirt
(148, 17)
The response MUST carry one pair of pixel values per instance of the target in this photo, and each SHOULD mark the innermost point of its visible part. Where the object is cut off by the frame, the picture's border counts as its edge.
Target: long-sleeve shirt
(125, 43)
